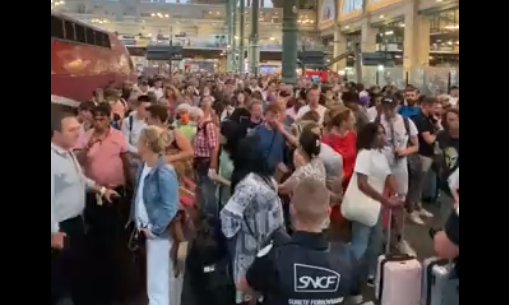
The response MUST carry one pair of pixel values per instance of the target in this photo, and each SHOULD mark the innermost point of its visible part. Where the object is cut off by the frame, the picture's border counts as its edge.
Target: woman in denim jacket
(155, 205)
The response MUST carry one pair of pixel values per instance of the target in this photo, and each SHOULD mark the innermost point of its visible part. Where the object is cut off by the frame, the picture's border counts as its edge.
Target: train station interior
(420, 38)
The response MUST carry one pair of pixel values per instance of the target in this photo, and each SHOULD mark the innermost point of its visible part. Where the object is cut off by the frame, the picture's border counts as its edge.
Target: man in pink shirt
(103, 157)
(103, 151)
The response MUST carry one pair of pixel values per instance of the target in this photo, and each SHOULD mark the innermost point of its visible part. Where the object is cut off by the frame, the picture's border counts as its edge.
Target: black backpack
(209, 265)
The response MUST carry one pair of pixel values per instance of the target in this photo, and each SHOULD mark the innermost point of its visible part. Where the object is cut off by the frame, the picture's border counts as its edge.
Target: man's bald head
(310, 202)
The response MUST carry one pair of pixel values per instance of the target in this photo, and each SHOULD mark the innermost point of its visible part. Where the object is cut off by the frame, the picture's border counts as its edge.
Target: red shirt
(347, 147)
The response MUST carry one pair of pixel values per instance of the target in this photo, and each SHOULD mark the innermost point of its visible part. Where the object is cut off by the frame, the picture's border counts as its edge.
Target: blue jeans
(206, 194)
(367, 244)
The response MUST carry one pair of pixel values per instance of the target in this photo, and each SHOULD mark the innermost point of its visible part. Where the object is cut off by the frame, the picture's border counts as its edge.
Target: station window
(57, 27)
(69, 30)
(80, 33)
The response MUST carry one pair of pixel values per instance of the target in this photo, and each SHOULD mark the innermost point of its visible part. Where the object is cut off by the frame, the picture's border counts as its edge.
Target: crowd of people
(137, 169)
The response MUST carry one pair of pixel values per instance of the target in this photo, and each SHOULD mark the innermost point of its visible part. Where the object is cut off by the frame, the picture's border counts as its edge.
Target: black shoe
(432, 232)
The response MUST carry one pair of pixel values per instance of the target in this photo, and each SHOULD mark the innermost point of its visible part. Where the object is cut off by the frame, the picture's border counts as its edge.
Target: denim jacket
(161, 196)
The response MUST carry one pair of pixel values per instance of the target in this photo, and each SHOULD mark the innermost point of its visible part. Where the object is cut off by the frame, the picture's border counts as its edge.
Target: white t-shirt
(373, 163)
(132, 133)
(372, 113)
(142, 220)
(305, 109)
(397, 130)
(332, 160)
(157, 91)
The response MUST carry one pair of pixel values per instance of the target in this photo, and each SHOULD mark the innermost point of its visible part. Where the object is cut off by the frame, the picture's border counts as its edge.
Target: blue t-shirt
(272, 144)
(408, 111)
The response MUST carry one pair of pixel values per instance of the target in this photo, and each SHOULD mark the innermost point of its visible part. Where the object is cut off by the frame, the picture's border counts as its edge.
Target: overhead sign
(162, 52)
(377, 59)
(311, 57)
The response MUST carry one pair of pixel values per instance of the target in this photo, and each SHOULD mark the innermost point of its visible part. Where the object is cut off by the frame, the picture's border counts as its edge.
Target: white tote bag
(359, 207)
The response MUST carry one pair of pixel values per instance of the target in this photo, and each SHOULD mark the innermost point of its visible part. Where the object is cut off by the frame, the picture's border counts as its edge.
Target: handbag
(359, 207)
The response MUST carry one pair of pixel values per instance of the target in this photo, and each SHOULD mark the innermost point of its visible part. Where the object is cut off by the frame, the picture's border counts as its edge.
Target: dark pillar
(242, 34)
(290, 36)
(254, 38)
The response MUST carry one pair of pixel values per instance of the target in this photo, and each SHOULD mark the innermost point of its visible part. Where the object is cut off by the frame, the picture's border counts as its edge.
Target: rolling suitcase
(439, 285)
(399, 276)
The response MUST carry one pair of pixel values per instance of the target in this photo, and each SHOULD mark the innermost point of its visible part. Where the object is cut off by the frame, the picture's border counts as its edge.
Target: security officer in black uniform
(307, 270)
(447, 242)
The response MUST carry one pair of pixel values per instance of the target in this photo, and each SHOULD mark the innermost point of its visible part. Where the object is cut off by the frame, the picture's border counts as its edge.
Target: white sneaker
(356, 299)
(405, 247)
(425, 213)
(415, 217)
(371, 281)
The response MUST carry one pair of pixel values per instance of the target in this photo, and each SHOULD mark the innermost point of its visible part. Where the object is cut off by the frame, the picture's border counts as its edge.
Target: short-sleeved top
(424, 124)
(104, 164)
(332, 161)
(397, 137)
(314, 169)
(373, 163)
(272, 144)
(277, 269)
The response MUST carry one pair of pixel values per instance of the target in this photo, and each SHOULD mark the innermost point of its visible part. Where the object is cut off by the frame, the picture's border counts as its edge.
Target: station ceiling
(304, 4)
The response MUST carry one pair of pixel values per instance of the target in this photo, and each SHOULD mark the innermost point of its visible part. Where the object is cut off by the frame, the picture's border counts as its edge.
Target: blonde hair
(311, 189)
(156, 138)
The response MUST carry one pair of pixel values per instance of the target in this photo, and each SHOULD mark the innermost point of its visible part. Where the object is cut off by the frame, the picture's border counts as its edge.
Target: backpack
(209, 264)
(131, 125)
(414, 160)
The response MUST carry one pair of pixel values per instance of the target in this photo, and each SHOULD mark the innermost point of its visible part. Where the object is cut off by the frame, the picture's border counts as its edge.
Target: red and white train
(84, 58)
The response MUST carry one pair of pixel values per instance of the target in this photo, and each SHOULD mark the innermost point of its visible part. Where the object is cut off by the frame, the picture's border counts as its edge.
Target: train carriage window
(57, 27)
(108, 42)
(90, 36)
(69, 30)
(99, 37)
(104, 40)
(80, 33)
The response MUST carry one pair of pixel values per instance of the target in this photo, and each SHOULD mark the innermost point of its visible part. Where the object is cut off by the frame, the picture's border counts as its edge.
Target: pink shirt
(103, 163)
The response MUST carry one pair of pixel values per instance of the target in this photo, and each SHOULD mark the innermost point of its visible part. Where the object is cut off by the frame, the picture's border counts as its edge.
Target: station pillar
(339, 47)
(234, 49)
(254, 38)
(229, 23)
(242, 34)
(416, 42)
(368, 37)
(290, 36)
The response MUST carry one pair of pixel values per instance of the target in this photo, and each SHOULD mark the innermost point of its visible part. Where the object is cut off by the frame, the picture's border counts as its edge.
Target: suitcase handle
(399, 257)
(389, 231)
